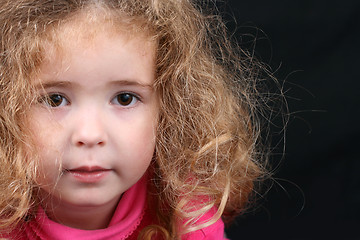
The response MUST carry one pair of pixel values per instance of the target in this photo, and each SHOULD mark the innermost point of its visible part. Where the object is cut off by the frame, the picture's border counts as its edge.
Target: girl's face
(95, 123)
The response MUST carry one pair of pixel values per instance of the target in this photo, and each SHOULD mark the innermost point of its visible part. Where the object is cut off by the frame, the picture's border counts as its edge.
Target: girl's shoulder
(214, 231)
(17, 234)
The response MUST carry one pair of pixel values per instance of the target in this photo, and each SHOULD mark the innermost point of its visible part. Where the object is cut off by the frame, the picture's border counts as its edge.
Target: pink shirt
(129, 218)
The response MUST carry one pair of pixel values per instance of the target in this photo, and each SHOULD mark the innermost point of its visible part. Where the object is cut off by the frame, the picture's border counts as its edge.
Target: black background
(314, 44)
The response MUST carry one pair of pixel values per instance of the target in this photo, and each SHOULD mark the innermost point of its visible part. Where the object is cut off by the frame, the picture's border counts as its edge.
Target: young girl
(123, 120)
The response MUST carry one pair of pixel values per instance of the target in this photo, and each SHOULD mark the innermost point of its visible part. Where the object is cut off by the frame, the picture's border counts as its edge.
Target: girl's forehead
(85, 28)
(73, 40)
(88, 32)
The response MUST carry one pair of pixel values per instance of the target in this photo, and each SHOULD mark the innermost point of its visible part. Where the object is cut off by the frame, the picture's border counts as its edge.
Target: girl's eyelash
(54, 100)
(125, 99)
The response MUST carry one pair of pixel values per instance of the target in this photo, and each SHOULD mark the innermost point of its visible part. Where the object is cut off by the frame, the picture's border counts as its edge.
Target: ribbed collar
(126, 219)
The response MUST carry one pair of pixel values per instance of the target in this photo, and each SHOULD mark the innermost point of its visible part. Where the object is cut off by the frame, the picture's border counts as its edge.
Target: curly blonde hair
(208, 135)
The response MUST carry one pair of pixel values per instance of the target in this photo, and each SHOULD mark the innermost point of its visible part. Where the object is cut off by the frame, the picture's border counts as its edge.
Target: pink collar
(126, 219)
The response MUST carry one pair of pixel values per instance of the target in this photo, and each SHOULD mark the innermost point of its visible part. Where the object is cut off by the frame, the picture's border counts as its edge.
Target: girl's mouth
(89, 174)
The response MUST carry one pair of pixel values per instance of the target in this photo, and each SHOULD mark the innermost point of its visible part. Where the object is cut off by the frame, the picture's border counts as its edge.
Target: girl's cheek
(48, 169)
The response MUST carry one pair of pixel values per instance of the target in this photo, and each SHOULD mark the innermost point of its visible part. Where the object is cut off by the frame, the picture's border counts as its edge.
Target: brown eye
(54, 100)
(125, 99)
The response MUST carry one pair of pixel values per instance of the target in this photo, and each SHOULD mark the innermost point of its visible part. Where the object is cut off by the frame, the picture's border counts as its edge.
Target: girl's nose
(89, 131)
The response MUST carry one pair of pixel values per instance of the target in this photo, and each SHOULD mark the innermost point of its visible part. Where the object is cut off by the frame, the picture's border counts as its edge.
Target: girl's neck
(80, 217)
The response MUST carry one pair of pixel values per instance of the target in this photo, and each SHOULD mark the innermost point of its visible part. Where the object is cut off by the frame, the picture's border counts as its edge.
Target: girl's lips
(88, 174)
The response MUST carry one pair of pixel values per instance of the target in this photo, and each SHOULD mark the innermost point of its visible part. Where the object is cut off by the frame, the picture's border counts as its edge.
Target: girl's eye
(54, 100)
(125, 99)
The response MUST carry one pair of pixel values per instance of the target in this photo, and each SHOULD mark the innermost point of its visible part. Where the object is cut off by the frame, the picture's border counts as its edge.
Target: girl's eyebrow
(131, 83)
(58, 83)
(50, 84)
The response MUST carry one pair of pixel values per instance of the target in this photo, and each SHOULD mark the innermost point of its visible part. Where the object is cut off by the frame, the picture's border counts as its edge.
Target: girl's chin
(79, 202)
